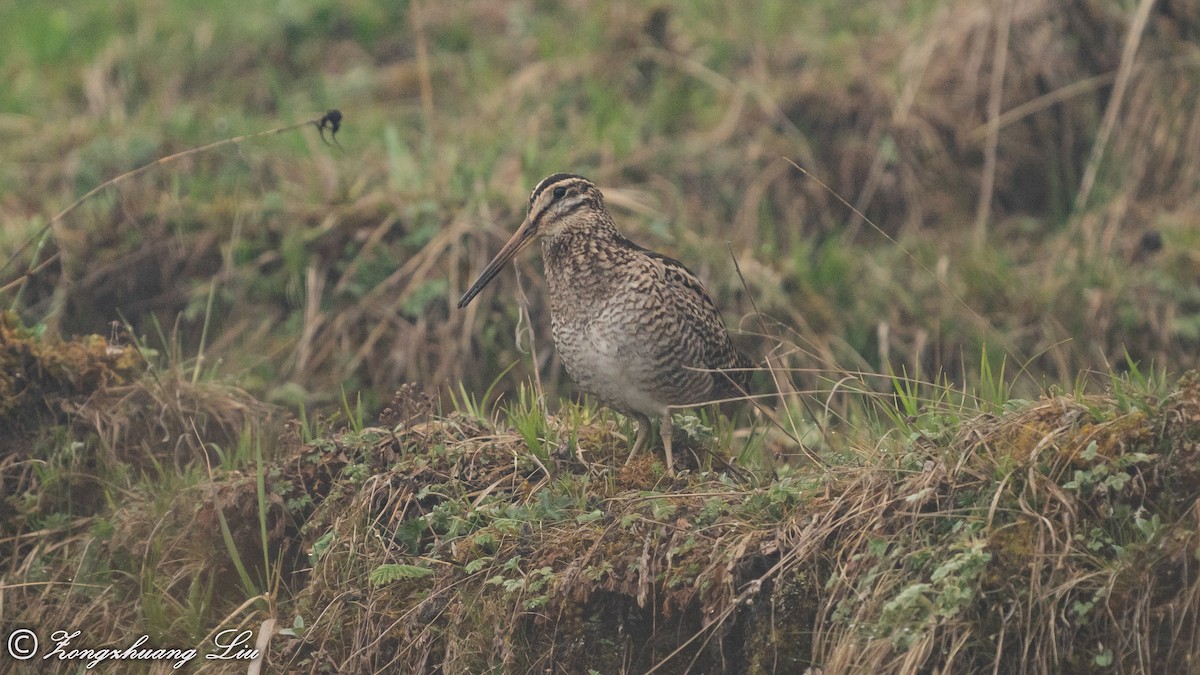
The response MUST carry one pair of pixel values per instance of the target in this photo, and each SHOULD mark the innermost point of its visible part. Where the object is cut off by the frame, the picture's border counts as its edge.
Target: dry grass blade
(995, 96)
(1115, 102)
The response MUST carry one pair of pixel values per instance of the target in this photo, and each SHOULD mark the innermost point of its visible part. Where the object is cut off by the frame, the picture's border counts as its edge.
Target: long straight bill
(520, 239)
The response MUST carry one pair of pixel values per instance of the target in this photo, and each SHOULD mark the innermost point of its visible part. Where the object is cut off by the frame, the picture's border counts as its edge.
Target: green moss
(39, 377)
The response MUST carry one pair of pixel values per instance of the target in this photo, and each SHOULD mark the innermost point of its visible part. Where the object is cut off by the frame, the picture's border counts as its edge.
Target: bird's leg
(643, 435)
(665, 430)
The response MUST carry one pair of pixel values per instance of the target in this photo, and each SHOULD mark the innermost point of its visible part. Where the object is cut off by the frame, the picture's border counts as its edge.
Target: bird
(633, 327)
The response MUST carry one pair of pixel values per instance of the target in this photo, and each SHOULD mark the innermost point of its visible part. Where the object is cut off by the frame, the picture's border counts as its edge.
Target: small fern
(386, 574)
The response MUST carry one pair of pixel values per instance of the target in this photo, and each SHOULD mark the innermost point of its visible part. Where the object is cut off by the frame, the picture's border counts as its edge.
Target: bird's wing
(702, 334)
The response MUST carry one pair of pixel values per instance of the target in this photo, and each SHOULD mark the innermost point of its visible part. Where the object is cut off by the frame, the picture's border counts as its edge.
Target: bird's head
(560, 203)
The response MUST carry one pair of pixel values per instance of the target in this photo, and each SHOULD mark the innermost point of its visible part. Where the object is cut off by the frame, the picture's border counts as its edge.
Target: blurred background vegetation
(1025, 190)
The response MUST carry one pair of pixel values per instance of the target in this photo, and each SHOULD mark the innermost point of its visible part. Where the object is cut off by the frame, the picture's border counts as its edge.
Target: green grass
(386, 230)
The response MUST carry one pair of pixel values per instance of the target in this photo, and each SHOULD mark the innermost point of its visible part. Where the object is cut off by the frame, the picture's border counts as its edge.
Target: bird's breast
(621, 331)
(606, 360)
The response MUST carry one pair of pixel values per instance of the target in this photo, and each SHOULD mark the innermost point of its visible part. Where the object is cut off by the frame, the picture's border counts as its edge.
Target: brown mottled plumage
(634, 328)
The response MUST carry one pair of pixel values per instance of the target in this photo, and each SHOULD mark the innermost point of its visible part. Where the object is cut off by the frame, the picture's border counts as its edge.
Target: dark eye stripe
(575, 206)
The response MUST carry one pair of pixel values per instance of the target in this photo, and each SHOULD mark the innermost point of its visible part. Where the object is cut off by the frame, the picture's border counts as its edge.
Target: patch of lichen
(37, 376)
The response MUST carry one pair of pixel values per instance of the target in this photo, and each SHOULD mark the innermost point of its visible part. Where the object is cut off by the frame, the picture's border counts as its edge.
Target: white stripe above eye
(551, 180)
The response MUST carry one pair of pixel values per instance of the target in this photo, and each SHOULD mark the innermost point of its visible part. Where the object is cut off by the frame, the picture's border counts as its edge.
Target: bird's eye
(559, 192)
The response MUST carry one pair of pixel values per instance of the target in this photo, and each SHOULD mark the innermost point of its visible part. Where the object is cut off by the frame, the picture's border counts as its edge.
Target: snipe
(634, 328)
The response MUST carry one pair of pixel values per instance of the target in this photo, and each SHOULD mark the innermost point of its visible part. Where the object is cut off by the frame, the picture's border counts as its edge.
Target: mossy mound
(1061, 536)
(1058, 536)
